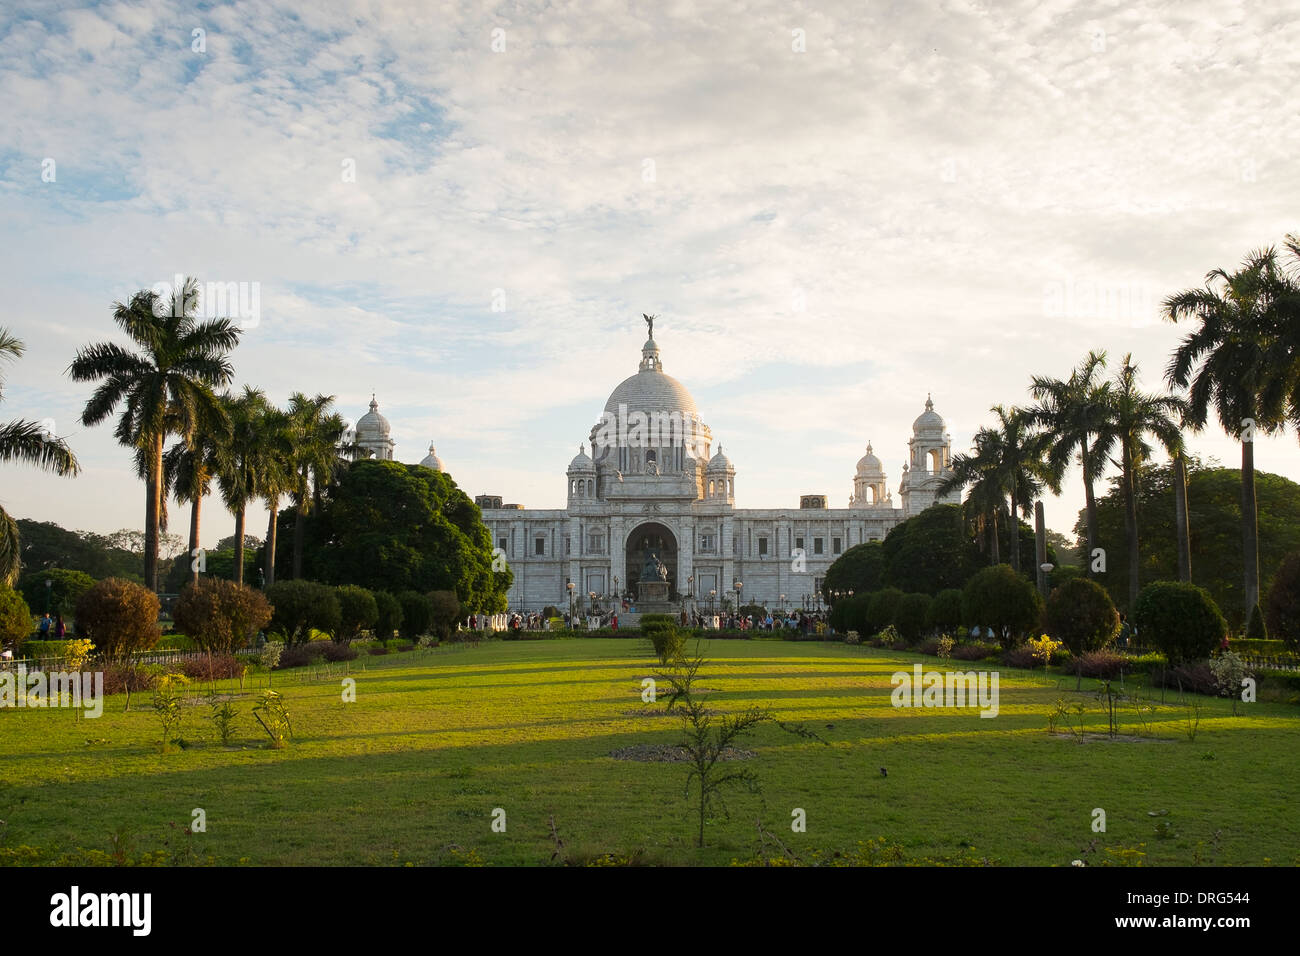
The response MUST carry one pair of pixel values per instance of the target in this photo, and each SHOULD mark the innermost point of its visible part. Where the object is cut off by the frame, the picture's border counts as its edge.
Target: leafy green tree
(359, 611)
(26, 442)
(1005, 602)
(930, 551)
(300, 608)
(165, 387)
(1282, 606)
(860, 569)
(279, 437)
(1214, 510)
(1182, 620)
(389, 615)
(15, 619)
(389, 526)
(61, 597)
(1240, 359)
(46, 545)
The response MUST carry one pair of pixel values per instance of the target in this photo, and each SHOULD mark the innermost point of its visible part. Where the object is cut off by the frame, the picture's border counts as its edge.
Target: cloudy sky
(835, 208)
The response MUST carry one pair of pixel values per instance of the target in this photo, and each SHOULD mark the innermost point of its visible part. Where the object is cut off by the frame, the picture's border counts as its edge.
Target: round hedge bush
(1002, 600)
(15, 618)
(880, 610)
(945, 611)
(1180, 619)
(119, 617)
(220, 616)
(910, 616)
(1081, 614)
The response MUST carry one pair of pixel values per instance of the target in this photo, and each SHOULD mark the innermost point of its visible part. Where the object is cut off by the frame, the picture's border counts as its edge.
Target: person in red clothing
(614, 622)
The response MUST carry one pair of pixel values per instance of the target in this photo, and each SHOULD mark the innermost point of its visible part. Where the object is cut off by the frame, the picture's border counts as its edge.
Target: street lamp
(49, 589)
(1046, 568)
(617, 593)
(737, 585)
(713, 593)
(570, 588)
(592, 595)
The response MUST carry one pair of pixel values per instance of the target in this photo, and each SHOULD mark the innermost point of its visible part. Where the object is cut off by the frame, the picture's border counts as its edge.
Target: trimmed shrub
(662, 632)
(1002, 600)
(1022, 656)
(1081, 615)
(910, 616)
(176, 642)
(213, 667)
(66, 587)
(119, 677)
(945, 611)
(300, 655)
(389, 619)
(1102, 665)
(15, 619)
(974, 652)
(850, 613)
(446, 612)
(1194, 676)
(301, 607)
(119, 617)
(220, 616)
(339, 652)
(880, 610)
(417, 614)
(358, 611)
(1180, 619)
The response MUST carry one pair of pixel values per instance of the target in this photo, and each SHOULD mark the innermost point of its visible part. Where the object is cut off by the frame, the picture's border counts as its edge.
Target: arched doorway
(651, 538)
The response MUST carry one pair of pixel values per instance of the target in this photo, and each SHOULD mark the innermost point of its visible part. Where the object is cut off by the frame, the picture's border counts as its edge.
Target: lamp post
(782, 605)
(713, 593)
(49, 590)
(570, 587)
(737, 585)
(592, 595)
(1044, 569)
(617, 593)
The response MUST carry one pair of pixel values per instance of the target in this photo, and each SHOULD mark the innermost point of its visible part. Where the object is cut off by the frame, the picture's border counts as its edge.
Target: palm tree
(985, 501)
(241, 463)
(1236, 360)
(1073, 412)
(1009, 464)
(1133, 415)
(188, 469)
(318, 458)
(278, 476)
(164, 386)
(27, 442)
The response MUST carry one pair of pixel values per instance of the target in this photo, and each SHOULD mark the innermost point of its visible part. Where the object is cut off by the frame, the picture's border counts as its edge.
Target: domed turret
(581, 463)
(721, 479)
(582, 477)
(432, 460)
(928, 463)
(869, 465)
(928, 422)
(374, 434)
(869, 482)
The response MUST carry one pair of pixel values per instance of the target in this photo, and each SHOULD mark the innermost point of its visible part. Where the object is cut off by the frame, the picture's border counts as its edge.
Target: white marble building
(664, 489)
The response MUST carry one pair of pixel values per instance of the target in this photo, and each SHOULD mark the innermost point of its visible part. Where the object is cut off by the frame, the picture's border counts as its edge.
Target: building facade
(652, 484)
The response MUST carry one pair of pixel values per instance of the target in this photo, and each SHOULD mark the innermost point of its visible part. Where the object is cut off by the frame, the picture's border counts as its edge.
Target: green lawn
(436, 740)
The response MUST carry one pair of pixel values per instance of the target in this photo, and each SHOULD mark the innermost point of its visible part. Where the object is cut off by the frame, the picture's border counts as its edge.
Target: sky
(833, 208)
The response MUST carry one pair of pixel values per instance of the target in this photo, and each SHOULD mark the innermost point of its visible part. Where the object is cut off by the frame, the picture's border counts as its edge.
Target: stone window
(837, 545)
(706, 542)
(502, 544)
(762, 546)
(798, 544)
(819, 545)
(539, 546)
(596, 543)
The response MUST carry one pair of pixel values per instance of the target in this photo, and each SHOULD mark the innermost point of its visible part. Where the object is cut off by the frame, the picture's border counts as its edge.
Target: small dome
(869, 464)
(581, 462)
(929, 419)
(719, 462)
(432, 460)
(372, 424)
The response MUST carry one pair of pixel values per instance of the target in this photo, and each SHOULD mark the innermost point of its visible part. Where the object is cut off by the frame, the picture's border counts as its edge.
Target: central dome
(651, 389)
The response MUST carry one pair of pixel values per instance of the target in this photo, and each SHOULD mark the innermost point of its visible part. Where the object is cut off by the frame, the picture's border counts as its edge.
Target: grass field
(412, 771)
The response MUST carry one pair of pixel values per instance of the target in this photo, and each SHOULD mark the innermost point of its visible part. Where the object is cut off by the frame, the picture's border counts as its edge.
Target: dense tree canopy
(394, 527)
(930, 552)
(46, 545)
(1214, 511)
(860, 569)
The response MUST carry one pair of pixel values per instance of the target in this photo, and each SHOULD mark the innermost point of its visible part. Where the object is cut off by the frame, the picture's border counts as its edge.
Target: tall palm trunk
(274, 508)
(299, 532)
(1090, 508)
(1249, 526)
(996, 553)
(1015, 535)
(195, 506)
(239, 545)
(1131, 527)
(1181, 525)
(153, 512)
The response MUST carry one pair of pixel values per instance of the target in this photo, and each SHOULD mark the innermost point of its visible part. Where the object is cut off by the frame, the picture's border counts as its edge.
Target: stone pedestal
(652, 593)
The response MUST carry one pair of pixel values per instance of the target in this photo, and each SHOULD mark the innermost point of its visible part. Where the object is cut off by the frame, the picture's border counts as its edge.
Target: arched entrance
(647, 540)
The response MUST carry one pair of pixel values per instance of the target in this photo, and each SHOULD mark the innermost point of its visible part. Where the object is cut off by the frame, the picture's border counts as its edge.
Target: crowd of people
(806, 622)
